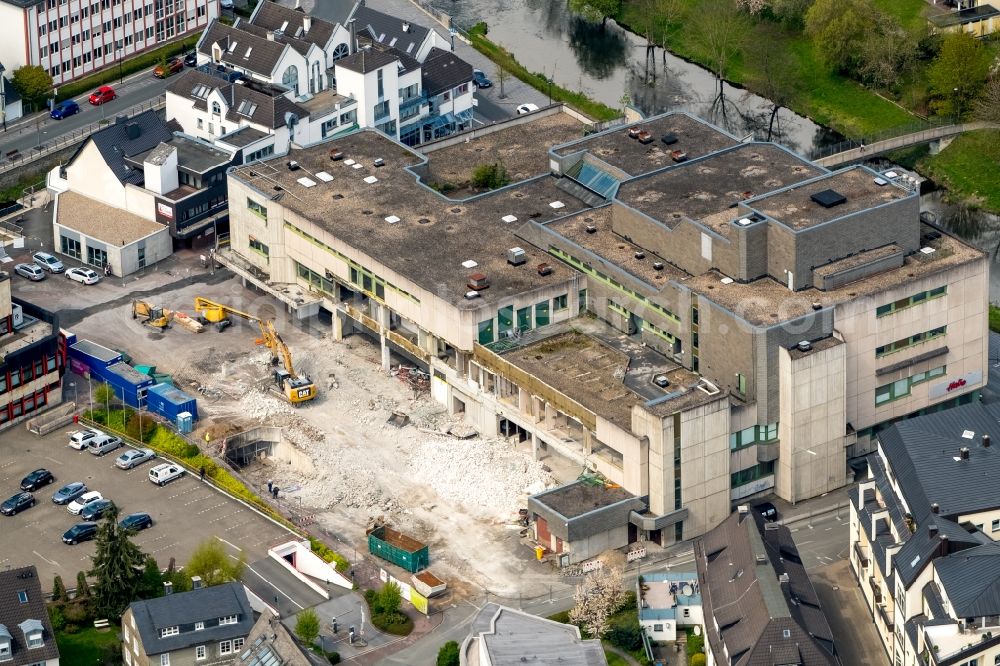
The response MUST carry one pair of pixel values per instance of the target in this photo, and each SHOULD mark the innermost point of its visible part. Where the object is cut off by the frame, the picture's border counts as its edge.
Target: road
(39, 129)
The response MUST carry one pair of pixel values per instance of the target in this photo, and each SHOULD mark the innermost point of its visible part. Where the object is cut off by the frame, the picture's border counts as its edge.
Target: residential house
(11, 107)
(759, 605)
(502, 636)
(71, 39)
(270, 643)
(204, 625)
(447, 85)
(32, 359)
(744, 330)
(923, 538)
(668, 601)
(26, 636)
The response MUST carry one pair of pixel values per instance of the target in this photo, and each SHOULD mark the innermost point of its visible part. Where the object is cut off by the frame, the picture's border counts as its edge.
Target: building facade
(32, 358)
(746, 320)
(71, 39)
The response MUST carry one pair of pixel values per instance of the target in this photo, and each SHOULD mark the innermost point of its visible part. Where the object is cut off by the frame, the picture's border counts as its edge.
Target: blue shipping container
(86, 356)
(129, 385)
(169, 402)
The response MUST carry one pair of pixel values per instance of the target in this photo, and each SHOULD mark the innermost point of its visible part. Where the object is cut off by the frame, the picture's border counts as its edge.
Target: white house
(668, 601)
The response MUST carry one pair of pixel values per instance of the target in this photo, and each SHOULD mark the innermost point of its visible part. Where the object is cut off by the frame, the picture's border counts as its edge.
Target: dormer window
(5, 653)
(169, 631)
(35, 640)
(229, 619)
(199, 626)
(33, 633)
(216, 109)
(246, 108)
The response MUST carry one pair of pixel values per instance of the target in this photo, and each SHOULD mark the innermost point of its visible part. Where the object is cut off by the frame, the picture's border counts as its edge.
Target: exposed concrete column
(386, 358)
(588, 444)
(342, 325)
(534, 447)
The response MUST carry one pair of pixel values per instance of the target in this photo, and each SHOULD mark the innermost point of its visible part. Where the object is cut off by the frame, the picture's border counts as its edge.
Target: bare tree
(773, 75)
(597, 598)
(988, 105)
(501, 78)
(721, 32)
(887, 52)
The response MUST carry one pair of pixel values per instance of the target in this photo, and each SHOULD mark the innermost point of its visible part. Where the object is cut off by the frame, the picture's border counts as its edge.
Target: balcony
(884, 615)
(875, 588)
(859, 551)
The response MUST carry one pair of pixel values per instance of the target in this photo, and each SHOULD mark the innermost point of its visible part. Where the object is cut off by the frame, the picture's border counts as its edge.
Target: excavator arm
(216, 312)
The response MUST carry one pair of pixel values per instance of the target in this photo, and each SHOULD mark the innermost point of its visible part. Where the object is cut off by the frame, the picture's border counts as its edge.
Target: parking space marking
(238, 525)
(198, 499)
(58, 462)
(45, 558)
(212, 508)
(158, 550)
(225, 517)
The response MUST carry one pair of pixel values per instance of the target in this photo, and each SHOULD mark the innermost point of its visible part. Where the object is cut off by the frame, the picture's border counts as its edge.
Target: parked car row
(45, 262)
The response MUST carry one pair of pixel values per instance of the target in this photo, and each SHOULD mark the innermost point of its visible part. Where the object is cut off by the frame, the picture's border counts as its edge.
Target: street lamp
(121, 72)
(3, 97)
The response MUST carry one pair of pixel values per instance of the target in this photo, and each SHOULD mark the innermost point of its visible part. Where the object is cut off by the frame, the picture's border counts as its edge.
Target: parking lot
(185, 512)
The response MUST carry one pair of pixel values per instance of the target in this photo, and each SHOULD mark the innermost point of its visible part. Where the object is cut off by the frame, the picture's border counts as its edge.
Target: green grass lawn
(86, 647)
(968, 168)
(613, 659)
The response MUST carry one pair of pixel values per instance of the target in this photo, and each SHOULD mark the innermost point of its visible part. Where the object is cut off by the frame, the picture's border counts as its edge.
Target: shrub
(57, 617)
(333, 657)
(490, 176)
(71, 629)
(140, 427)
(448, 654)
(327, 555)
(59, 590)
(695, 644)
(77, 612)
(82, 587)
(627, 637)
(698, 660)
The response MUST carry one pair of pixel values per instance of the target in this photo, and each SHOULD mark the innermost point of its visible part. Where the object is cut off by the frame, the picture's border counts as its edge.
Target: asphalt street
(39, 129)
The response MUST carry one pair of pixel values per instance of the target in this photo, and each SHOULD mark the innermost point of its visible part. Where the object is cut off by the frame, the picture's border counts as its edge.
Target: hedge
(505, 59)
(130, 66)
(166, 442)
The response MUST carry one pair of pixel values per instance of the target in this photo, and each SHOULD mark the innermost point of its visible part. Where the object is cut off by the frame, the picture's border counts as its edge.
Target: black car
(37, 479)
(80, 532)
(17, 504)
(191, 59)
(136, 522)
(767, 510)
(96, 510)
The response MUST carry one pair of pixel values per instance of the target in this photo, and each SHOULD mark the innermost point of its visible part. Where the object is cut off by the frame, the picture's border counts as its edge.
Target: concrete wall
(812, 458)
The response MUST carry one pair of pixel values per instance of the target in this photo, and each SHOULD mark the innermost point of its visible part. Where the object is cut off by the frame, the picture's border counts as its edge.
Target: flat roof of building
(799, 206)
(114, 226)
(242, 137)
(767, 301)
(30, 333)
(192, 154)
(615, 147)
(521, 147)
(710, 185)
(580, 497)
(433, 236)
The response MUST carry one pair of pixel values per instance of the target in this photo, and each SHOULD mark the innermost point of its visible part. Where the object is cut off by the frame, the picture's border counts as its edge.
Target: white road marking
(233, 546)
(45, 558)
(273, 586)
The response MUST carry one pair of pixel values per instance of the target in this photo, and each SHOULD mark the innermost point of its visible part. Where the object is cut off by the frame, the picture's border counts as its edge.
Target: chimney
(963, 453)
(986, 441)
(120, 120)
(196, 582)
(168, 587)
(133, 131)
(932, 529)
(307, 22)
(270, 35)
(352, 43)
(935, 508)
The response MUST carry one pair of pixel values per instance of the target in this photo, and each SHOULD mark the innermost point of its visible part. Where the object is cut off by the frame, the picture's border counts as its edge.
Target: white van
(164, 473)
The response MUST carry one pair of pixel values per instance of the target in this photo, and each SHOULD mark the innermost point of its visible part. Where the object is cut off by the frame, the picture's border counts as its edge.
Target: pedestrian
(270, 487)
(276, 492)
(202, 472)
(862, 146)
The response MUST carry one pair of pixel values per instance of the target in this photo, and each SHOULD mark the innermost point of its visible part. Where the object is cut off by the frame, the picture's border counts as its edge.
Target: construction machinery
(296, 388)
(152, 316)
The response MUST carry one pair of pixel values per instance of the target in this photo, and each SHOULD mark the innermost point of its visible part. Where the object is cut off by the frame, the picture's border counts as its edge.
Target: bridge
(862, 150)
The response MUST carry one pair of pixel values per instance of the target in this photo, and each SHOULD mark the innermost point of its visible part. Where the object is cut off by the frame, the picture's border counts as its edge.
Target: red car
(172, 67)
(102, 95)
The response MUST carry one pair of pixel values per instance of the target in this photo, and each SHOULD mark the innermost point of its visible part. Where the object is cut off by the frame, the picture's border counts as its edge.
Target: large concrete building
(696, 319)
(71, 39)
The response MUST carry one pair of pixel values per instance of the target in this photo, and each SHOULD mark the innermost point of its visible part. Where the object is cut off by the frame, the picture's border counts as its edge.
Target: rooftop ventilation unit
(817, 305)
(591, 229)
(392, 219)
(657, 265)
(661, 381)
(371, 180)
(357, 165)
(509, 218)
(557, 205)
(645, 137)
(828, 198)
(516, 256)
(336, 155)
(544, 269)
(881, 182)
(640, 255)
(804, 346)
(762, 559)
(293, 165)
(927, 250)
(470, 295)
(679, 156)
(324, 176)
(633, 132)
(379, 162)
(478, 282)
(891, 174)
(744, 222)
(726, 280)
(963, 453)
(669, 138)
(469, 263)
(306, 182)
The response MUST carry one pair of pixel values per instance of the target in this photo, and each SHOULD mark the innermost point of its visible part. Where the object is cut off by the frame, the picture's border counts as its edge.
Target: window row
(527, 318)
(901, 388)
(260, 248)
(909, 301)
(750, 474)
(257, 209)
(910, 341)
(15, 377)
(25, 405)
(753, 435)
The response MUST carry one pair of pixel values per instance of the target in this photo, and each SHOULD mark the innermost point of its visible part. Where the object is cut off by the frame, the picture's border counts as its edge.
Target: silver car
(30, 271)
(133, 457)
(48, 262)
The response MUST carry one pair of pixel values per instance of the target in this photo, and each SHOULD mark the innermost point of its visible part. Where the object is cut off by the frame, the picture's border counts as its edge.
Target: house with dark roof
(759, 606)
(11, 107)
(270, 643)
(204, 625)
(140, 186)
(414, 40)
(923, 536)
(26, 636)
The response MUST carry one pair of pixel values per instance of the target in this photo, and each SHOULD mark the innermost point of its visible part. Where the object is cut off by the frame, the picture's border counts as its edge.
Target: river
(607, 62)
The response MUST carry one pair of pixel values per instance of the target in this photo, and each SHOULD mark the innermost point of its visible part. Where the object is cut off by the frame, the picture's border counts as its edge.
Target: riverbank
(968, 169)
(504, 59)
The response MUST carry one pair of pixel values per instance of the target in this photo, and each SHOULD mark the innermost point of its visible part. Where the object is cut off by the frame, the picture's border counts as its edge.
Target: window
(687, 612)
(486, 332)
(750, 474)
(237, 644)
(381, 86)
(70, 247)
(198, 626)
(560, 303)
(901, 388)
(524, 319)
(165, 659)
(903, 303)
(169, 631)
(582, 299)
(225, 647)
(201, 123)
(462, 89)
(216, 109)
(995, 526)
(446, 96)
(910, 341)
(22, 596)
(257, 209)
(229, 619)
(35, 640)
(290, 79)
(753, 435)
(200, 652)
(657, 627)
(741, 384)
(266, 151)
(542, 313)
(261, 249)
(314, 279)
(505, 320)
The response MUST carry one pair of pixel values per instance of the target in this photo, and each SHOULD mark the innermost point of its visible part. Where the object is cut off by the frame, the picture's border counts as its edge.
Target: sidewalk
(817, 506)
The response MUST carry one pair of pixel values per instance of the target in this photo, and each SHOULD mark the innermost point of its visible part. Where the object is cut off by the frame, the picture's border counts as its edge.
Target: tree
(490, 176)
(151, 583)
(59, 590)
(307, 626)
(698, 660)
(596, 10)
(988, 105)
(117, 567)
(887, 52)
(791, 13)
(501, 76)
(213, 564)
(839, 29)
(772, 74)
(754, 7)
(596, 599)
(82, 586)
(448, 654)
(958, 74)
(104, 395)
(390, 598)
(721, 32)
(32, 83)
